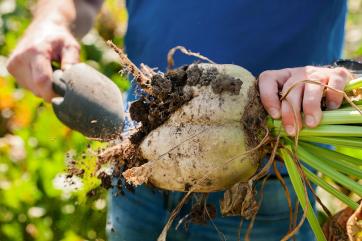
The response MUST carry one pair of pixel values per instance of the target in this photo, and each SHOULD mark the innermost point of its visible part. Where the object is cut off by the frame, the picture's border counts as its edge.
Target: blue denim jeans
(140, 216)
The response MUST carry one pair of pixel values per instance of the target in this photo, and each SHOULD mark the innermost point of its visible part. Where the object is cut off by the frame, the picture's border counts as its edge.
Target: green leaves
(34, 147)
(341, 128)
(353, 84)
(337, 166)
(329, 188)
(340, 162)
(300, 190)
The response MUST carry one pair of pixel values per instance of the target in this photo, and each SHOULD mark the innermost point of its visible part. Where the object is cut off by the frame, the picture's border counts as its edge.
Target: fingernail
(290, 129)
(274, 113)
(332, 105)
(309, 120)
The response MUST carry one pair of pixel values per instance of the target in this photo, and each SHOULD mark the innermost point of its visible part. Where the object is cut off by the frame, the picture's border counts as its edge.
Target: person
(282, 42)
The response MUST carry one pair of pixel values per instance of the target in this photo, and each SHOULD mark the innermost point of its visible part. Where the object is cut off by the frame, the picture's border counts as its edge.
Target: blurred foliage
(36, 203)
(353, 38)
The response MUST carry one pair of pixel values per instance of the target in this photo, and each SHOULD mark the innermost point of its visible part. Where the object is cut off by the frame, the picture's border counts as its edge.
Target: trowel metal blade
(89, 103)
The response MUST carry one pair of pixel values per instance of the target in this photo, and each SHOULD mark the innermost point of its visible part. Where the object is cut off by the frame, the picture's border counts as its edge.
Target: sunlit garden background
(35, 146)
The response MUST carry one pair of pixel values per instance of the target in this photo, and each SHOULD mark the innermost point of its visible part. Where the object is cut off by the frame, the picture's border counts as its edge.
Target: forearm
(76, 15)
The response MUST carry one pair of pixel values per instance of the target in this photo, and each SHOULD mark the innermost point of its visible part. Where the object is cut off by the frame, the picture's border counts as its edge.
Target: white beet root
(203, 144)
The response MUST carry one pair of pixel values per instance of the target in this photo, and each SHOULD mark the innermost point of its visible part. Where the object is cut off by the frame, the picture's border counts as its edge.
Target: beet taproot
(208, 141)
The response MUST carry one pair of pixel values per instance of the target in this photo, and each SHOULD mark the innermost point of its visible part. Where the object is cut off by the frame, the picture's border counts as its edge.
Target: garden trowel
(88, 102)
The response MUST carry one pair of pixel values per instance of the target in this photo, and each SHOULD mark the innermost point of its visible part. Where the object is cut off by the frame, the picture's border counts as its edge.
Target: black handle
(354, 66)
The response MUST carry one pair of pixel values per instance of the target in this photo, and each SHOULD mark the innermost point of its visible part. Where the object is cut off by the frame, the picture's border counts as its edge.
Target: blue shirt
(256, 34)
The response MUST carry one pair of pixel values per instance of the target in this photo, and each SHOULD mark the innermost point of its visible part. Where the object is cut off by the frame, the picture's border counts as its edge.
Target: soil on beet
(252, 119)
(168, 94)
(170, 91)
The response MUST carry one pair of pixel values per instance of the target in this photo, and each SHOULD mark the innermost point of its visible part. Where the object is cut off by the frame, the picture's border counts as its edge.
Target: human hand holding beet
(302, 96)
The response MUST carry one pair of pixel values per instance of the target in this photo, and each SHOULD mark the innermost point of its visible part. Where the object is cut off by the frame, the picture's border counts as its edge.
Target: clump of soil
(171, 91)
(168, 94)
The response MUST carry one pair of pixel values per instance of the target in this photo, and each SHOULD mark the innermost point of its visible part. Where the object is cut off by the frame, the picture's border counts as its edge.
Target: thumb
(70, 55)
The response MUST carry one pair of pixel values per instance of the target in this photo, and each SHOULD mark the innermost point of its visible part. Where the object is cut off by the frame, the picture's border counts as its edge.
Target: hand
(30, 63)
(303, 96)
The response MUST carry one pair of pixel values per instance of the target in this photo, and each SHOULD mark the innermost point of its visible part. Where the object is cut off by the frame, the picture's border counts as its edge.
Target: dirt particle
(208, 76)
(92, 193)
(161, 86)
(208, 182)
(75, 171)
(139, 110)
(177, 76)
(187, 187)
(106, 180)
(193, 75)
(130, 187)
(226, 83)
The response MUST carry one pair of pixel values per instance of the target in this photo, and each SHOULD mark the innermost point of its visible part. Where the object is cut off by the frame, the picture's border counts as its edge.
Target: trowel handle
(58, 83)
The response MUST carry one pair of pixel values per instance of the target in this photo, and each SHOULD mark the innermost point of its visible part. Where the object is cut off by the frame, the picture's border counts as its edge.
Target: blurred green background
(35, 146)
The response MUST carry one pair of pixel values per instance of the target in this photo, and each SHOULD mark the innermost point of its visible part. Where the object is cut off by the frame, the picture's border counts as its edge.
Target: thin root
(267, 166)
(240, 227)
(324, 85)
(252, 221)
(221, 234)
(172, 217)
(171, 53)
(147, 71)
(295, 217)
(287, 195)
(141, 79)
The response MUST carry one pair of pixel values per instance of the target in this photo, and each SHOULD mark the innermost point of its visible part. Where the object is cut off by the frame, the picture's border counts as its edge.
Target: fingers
(269, 83)
(21, 74)
(306, 95)
(30, 63)
(337, 81)
(291, 107)
(32, 70)
(69, 55)
(312, 104)
(312, 99)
